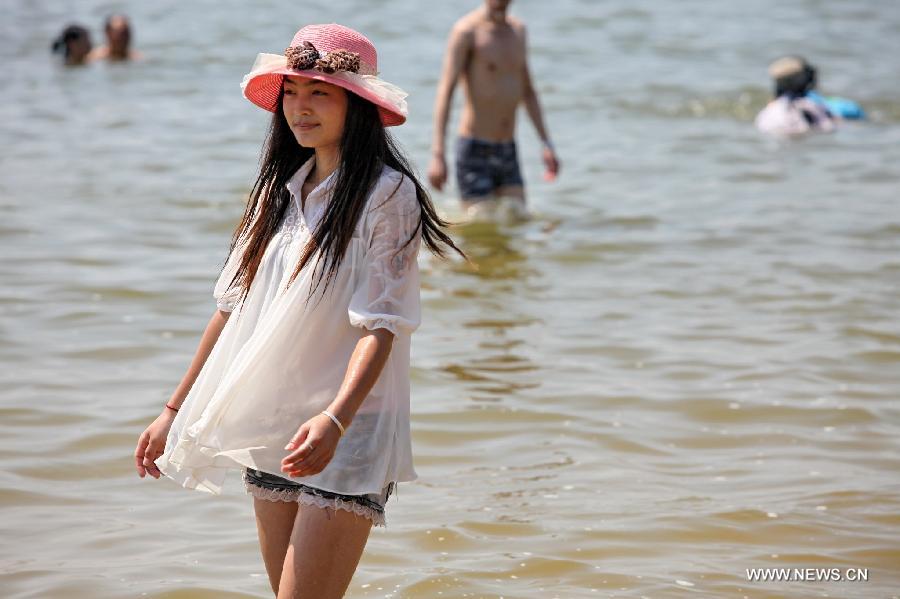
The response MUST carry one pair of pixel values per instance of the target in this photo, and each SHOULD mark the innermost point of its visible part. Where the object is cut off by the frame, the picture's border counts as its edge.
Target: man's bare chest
(497, 51)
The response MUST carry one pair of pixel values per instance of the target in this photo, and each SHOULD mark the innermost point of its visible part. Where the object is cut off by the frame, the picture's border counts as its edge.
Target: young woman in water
(301, 379)
(74, 43)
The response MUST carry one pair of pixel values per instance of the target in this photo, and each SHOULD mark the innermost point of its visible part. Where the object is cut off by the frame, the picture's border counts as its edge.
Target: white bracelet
(546, 143)
(334, 420)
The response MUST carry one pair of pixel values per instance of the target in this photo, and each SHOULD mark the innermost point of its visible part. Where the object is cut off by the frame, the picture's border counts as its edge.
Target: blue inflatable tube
(842, 107)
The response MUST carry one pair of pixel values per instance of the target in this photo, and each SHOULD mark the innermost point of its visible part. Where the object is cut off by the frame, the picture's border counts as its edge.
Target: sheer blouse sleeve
(386, 294)
(226, 294)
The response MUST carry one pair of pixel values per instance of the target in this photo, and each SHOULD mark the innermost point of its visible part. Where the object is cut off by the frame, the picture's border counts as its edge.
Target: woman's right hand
(152, 444)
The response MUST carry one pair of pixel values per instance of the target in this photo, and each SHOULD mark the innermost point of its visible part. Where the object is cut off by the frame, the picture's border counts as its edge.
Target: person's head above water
(74, 43)
(793, 76)
(118, 35)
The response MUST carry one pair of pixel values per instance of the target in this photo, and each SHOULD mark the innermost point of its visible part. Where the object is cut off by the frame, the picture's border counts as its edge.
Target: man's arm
(458, 46)
(533, 107)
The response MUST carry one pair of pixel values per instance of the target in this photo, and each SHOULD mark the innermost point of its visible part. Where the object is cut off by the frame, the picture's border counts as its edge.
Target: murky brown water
(696, 372)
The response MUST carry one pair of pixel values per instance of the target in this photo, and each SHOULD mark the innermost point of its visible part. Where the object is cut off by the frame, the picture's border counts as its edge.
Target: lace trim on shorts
(304, 497)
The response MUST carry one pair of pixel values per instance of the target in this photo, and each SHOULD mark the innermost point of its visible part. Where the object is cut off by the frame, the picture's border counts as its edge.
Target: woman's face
(315, 111)
(78, 49)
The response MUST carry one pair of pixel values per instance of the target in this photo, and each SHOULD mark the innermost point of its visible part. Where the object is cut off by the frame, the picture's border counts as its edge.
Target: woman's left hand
(312, 447)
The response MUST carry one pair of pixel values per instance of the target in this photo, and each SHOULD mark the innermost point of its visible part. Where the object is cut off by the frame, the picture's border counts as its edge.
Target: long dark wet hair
(70, 34)
(366, 147)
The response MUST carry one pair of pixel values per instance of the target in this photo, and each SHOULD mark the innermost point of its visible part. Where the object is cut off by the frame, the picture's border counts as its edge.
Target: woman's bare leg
(274, 523)
(324, 550)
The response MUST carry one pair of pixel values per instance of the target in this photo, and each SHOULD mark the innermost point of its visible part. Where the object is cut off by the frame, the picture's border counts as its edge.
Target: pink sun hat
(331, 53)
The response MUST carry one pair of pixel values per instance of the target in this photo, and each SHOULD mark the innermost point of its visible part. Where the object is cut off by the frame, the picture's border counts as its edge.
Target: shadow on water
(497, 315)
(493, 250)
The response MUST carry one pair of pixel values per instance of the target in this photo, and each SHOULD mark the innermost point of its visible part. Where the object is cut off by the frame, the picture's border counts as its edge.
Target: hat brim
(264, 89)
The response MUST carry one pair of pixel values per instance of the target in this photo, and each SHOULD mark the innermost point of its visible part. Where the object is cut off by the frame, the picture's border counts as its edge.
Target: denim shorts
(482, 167)
(263, 485)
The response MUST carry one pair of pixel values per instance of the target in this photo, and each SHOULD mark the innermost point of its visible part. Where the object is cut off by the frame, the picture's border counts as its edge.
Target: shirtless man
(118, 41)
(487, 51)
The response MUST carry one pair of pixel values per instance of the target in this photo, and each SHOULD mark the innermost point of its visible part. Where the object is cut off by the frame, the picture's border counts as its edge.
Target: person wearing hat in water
(118, 41)
(487, 52)
(74, 43)
(301, 380)
(795, 110)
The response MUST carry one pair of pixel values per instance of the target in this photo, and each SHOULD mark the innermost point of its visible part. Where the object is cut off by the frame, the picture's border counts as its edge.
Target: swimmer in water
(74, 43)
(793, 111)
(118, 41)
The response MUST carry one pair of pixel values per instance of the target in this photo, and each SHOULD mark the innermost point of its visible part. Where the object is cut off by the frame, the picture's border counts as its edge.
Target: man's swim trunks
(482, 167)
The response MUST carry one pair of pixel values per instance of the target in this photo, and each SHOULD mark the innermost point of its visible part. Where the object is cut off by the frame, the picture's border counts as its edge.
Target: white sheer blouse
(281, 359)
(787, 116)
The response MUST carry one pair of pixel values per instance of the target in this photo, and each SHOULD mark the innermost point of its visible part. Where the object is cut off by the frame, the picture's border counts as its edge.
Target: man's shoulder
(517, 24)
(518, 27)
(466, 24)
(100, 53)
